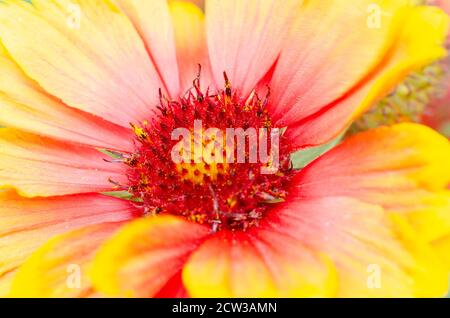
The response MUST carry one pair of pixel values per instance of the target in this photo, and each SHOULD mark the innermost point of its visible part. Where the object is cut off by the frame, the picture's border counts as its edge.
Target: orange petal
(93, 59)
(374, 256)
(38, 166)
(415, 39)
(146, 256)
(330, 49)
(26, 224)
(59, 268)
(153, 22)
(403, 168)
(27, 107)
(192, 51)
(261, 263)
(245, 38)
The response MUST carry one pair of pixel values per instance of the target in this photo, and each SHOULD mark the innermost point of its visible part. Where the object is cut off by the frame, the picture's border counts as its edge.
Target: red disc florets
(213, 188)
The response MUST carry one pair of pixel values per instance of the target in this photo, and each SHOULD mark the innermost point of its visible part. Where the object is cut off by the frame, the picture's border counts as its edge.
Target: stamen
(226, 195)
(217, 212)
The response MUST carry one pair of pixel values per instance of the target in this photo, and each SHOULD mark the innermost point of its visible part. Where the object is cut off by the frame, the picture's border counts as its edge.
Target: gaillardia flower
(91, 92)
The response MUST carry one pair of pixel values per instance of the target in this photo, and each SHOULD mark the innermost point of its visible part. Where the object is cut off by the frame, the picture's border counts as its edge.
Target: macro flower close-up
(215, 149)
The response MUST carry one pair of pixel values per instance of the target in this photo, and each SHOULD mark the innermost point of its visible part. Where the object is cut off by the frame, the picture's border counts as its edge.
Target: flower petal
(192, 51)
(38, 166)
(444, 4)
(331, 48)
(5, 283)
(442, 247)
(25, 106)
(403, 168)
(153, 22)
(59, 268)
(261, 263)
(146, 256)
(245, 38)
(416, 36)
(93, 59)
(428, 213)
(374, 256)
(26, 224)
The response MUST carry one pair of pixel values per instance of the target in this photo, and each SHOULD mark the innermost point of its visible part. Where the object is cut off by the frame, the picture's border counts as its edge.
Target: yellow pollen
(204, 163)
(231, 201)
(139, 132)
(197, 172)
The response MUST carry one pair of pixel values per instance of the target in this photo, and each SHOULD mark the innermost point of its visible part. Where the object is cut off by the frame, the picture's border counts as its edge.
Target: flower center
(211, 158)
